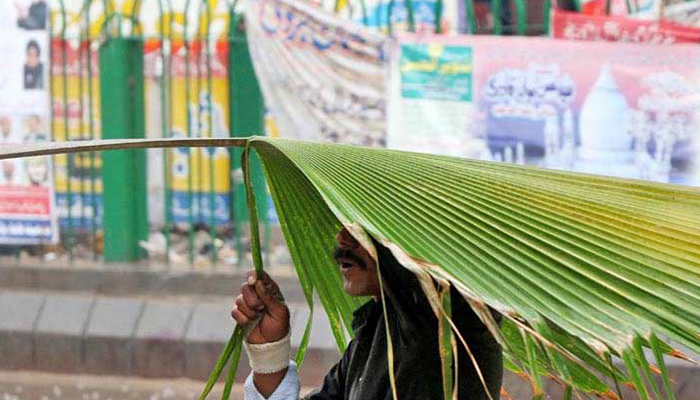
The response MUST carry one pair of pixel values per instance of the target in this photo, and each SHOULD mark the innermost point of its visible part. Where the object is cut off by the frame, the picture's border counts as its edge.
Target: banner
(322, 77)
(621, 109)
(76, 116)
(197, 175)
(27, 210)
(576, 26)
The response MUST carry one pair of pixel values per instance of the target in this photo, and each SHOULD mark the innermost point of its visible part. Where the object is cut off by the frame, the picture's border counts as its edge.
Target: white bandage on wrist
(271, 357)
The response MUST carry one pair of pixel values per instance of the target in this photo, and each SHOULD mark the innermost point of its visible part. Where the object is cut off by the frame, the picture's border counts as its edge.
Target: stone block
(211, 322)
(159, 347)
(67, 279)
(15, 277)
(107, 342)
(202, 356)
(19, 312)
(59, 333)
(206, 337)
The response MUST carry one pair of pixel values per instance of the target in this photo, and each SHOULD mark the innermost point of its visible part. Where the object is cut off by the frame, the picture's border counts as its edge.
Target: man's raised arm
(274, 377)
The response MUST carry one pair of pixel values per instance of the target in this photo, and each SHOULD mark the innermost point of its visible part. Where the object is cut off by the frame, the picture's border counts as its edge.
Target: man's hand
(262, 298)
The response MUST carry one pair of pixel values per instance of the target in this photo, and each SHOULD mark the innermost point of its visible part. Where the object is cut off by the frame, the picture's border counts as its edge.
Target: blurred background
(118, 270)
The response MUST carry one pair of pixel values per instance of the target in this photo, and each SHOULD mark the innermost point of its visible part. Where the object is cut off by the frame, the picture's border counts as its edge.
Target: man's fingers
(239, 317)
(275, 307)
(243, 307)
(251, 297)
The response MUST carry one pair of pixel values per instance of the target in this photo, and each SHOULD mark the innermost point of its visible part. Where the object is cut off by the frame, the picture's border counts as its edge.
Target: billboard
(27, 209)
(620, 109)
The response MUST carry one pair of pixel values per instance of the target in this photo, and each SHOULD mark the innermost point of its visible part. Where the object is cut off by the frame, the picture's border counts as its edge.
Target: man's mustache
(340, 255)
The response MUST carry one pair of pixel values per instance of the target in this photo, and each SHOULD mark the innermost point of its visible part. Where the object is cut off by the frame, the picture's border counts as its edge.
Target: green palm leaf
(582, 267)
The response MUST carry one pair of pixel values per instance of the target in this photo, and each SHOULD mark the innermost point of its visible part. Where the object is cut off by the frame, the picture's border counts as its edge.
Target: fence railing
(186, 75)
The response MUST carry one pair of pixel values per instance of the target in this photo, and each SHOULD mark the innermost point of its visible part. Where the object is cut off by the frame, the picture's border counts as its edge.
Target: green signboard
(436, 72)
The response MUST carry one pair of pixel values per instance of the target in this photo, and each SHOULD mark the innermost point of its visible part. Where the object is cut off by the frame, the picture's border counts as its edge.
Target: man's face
(357, 266)
(32, 57)
(5, 126)
(8, 169)
(33, 124)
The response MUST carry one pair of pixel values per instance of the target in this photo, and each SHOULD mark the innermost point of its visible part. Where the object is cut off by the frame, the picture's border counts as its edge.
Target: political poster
(322, 76)
(198, 107)
(577, 26)
(27, 209)
(75, 104)
(620, 109)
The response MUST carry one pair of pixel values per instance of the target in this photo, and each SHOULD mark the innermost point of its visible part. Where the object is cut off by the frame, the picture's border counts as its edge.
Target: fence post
(247, 118)
(124, 171)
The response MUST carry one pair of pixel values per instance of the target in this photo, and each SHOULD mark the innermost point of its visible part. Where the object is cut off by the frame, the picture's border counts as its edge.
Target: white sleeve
(288, 389)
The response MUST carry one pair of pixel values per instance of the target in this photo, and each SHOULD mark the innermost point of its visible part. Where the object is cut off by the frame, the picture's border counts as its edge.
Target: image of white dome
(603, 122)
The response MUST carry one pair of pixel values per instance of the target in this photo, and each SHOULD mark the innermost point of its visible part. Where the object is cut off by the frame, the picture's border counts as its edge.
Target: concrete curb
(151, 337)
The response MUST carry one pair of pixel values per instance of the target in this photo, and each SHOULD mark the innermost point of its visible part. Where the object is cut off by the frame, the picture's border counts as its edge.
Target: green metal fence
(103, 201)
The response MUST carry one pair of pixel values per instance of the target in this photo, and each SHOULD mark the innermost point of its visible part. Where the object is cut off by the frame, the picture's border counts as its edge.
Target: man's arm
(261, 300)
(287, 389)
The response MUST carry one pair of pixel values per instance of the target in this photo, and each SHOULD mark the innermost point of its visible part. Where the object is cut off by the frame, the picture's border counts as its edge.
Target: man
(33, 18)
(10, 174)
(33, 68)
(362, 372)
(33, 130)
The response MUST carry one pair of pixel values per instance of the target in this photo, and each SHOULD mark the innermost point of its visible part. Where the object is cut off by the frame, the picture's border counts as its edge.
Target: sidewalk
(46, 386)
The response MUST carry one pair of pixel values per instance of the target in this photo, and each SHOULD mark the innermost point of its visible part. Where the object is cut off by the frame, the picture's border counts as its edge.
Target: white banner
(322, 77)
(27, 210)
(622, 109)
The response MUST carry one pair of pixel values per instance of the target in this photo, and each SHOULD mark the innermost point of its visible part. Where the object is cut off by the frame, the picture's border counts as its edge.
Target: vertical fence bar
(190, 172)
(234, 156)
(81, 121)
(496, 13)
(171, 104)
(522, 16)
(164, 107)
(210, 129)
(66, 132)
(470, 15)
(547, 9)
(91, 133)
(198, 93)
(438, 16)
(52, 92)
(409, 15)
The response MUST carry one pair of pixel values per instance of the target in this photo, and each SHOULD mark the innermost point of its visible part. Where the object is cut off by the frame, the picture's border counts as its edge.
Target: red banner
(576, 26)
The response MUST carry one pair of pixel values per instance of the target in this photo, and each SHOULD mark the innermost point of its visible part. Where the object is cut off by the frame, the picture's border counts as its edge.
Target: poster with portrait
(620, 109)
(27, 210)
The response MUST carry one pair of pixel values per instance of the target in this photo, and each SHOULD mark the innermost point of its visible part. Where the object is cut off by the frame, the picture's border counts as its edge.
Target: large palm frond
(584, 268)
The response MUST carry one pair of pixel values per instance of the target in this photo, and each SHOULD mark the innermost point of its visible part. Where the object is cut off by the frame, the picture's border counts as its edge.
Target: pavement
(47, 386)
(95, 332)
(135, 322)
